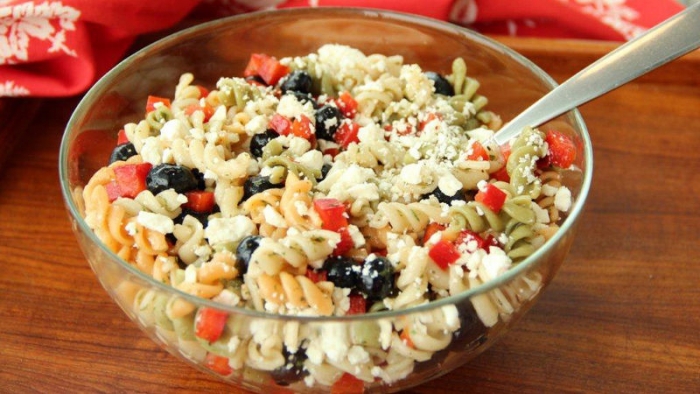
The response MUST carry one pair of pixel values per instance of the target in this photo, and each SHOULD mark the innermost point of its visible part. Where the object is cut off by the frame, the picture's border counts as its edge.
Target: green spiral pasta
(474, 216)
(525, 151)
(282, 166)
(157, 118)
(236, 92)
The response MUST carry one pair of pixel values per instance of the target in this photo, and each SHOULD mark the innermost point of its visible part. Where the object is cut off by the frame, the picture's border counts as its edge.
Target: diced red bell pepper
(332, 213)
(316, 276)
(206, 109)
(444, 253)
(348, 384)
(272, 71)
(405, 337)
(429, 117)
(466, 236)
(200, 201)
(332, 152)
(492, 197)
(302, 127)
(358, 305)
(380, 252)
(347, 133)
(209, 323)
(254, 63)
(432, 229)
(562, 150)
(280, 124)
(131, 178)
(267, 67)
(121, 137)
(218, 364)
(346, 242)
(501, 174)
(477, 152)
(152, 102)
(347, 105)
(203, 92)
(505, 151)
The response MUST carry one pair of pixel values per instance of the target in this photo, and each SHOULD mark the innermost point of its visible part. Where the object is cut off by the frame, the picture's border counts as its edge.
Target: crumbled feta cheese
(314, 352)
(562, 200)
(152, 150)
(385, 330)
(358, 355)
(495, 262)
(173, 130)
(413, 173)
(481, 134)
(449, 184)
(541, 214)
(312, 160)
(155, 222)
(171, 199)
(256, 125)
(297, 145)
(292, 108)
(227, 297)
(350, 183)
(357, 238)
(273, 217)
(451, 317)
(370, 132)
(190, 274)
(221, 230)
(130, 228)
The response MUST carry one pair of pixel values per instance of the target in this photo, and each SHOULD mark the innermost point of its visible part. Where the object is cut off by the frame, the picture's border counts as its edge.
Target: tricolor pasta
(329, 184)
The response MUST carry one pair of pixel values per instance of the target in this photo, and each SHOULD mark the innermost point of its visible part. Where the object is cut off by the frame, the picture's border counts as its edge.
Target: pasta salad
(330, 184)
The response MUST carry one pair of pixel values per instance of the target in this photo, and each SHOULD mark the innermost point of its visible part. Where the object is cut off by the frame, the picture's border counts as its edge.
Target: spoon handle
(669, 40)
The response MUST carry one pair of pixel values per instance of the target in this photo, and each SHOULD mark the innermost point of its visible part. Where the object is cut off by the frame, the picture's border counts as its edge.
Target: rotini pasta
(354, 184)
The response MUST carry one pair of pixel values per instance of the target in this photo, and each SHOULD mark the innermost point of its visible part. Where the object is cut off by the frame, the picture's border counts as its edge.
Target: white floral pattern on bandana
(22, 23)
(614, 13)
(10, 89)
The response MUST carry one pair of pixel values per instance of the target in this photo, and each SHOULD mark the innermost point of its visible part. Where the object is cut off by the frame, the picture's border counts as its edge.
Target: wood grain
(621, 316)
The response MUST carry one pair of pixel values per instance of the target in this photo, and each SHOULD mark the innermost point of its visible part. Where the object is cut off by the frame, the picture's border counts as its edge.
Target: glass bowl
(253, 342)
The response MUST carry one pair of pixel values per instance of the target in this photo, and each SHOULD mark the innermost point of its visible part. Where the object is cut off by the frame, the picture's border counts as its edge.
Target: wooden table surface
(622, 315)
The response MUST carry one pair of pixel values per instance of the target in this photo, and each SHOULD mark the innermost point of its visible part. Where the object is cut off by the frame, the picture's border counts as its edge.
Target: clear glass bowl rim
(96, 90)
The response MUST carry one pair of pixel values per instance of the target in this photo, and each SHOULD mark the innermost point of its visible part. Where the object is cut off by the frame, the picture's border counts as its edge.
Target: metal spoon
(669, 40)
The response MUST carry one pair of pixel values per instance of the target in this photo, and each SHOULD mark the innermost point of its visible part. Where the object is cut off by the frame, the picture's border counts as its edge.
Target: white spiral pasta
(411, 217)
(365, 190)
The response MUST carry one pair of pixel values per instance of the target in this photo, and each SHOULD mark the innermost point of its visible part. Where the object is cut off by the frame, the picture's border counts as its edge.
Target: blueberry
(328, 119)
(260, 140)
(203, 217)
(255, 79)
(342, 271)
(324, 170)
(297, 81)
(201, 184)
(444, 198)
(257, 184)
(293, 368)
(377, 279)
(244, 251)
(171, 176)
(472, 332)
(442, 85)
(122, 152)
